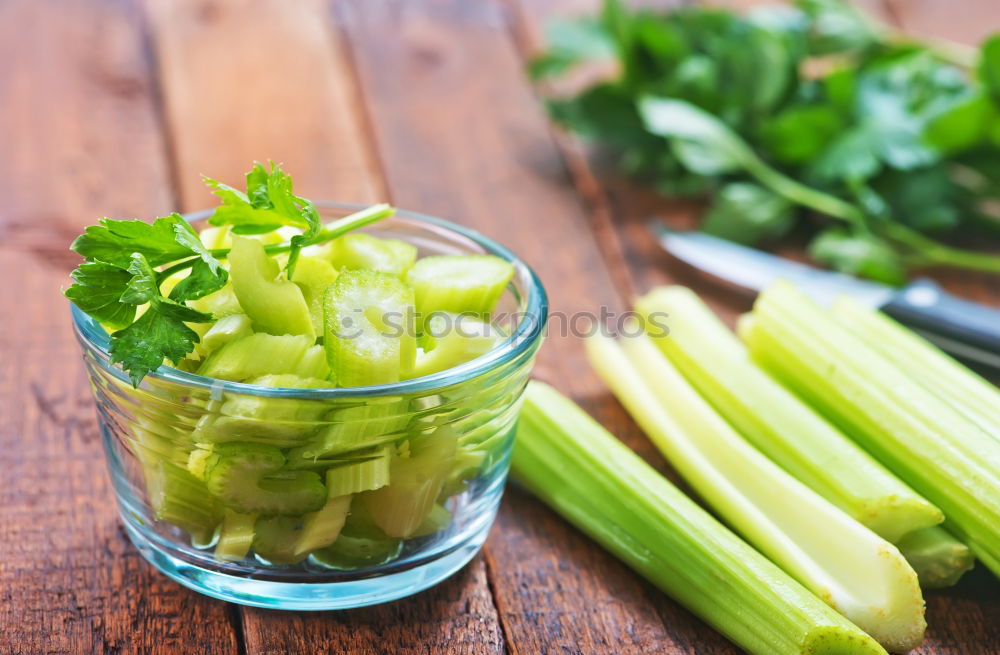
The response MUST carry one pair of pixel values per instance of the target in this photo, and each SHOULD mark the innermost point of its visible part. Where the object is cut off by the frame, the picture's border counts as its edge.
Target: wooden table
(109, 107)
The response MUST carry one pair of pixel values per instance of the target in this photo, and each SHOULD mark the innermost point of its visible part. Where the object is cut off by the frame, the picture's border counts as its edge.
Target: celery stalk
(858, 573)
(921, 438)
(572, 463)
(235, 536)
(779, 424)
(969, 393)
(939, 559)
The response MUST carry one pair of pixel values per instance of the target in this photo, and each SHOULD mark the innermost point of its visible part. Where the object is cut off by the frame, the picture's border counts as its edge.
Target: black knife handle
(966, 329)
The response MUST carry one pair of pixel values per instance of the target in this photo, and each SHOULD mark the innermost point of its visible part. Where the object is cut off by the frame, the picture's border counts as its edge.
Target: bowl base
(309, 596)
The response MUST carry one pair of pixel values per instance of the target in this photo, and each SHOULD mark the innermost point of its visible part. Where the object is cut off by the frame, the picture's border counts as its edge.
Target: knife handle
(966, 329)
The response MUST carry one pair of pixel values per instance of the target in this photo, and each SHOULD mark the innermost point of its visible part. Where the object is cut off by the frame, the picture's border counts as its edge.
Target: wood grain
(461, 136)
(81, 140)
(247, 80)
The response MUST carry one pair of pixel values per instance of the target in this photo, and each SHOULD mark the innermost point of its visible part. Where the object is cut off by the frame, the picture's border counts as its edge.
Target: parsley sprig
(127, 263)
(886, 147)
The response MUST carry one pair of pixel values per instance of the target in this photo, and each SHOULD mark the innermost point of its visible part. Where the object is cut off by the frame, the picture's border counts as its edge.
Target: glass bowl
(426, 524)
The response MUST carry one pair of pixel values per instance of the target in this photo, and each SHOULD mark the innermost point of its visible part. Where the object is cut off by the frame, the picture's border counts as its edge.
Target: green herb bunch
(127, 263)
(795, 111)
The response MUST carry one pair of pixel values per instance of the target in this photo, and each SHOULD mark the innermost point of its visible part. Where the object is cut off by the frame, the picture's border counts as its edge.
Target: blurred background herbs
(889, 147)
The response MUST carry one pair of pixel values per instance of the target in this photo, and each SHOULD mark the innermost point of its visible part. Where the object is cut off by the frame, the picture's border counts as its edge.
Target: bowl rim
(520, 343)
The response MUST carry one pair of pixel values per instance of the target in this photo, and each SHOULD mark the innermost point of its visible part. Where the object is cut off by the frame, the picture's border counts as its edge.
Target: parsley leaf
(159, 333)
(113, 242)
(97, 290)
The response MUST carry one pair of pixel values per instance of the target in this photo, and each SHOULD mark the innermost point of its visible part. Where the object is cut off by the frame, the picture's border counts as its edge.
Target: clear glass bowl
(461, 421)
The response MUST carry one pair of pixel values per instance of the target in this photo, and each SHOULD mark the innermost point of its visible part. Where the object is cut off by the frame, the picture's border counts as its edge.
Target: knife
(967, 330)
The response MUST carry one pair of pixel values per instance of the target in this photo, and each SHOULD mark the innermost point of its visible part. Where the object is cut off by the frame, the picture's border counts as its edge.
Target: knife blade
(968, 330)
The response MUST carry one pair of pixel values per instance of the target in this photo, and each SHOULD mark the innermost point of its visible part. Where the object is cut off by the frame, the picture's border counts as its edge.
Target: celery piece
(350, 552)
(367, 339)
(219, 303)
(968, 392)
(456, 339)
(321, 528)
(256, 355)
(460, 284)
(939, 559)
(281, 422)
(313, 275)
(920, 437)
(437, 520)
(248, 478)
(181, 499)
(275, 305)
(199, 459)
(226, 329)
(314, 365)
(572, 463)
(276, 539)
(361, 476)
(378, 421)
(363, 251)
(858, 573)
(416, 481)
(777, 422)
(235, 537)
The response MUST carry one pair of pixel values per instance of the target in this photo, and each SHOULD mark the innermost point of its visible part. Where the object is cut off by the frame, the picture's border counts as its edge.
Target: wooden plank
(246, 80)
(81, 140)
(302, 88)
(461, 137)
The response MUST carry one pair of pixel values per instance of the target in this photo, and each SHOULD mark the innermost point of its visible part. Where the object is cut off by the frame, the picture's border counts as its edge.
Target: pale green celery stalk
(918, 436)
(573, 464)
(858, 573)
(969, 393)
(235, 536)
(777, 422)
(939, 559)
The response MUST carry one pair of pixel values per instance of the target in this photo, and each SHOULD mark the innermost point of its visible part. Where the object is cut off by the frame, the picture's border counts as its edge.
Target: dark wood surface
(114, 107)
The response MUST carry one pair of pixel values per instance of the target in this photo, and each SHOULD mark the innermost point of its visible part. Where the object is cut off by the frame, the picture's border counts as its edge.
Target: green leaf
(604, 111)
(850, 156)
(961, 126)
(113, 242)
(701, 141)
(97, 290)
(201, 281)
(799, 134)
(159, 333)
(926, 199)
(858, 254)
(569, 43)
(989, 65)
(748, 213)
(836, 27)
(186, 236)
(143, 287)
(268, 204)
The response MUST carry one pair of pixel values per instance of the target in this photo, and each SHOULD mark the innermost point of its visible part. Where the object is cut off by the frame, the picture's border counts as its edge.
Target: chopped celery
(314, 365)
(350, 552)
(968, 392)
(274, 304)
(916, 434)
(235, 537)
(380, 420)
(360, 476)
(313, 275)
(276, 539)
(777, 422)
(219, 303)
(573, 464)
(939, 559)
(400, 508)
(249, 478)
(363, 251)
(858, 573)
(456, 339)
(282, 422)
(367, 339)
(321, 528)
(181, 499)
(437, 520)
(199, 459)
(226, 329)
(461, 284)
(256, 355)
